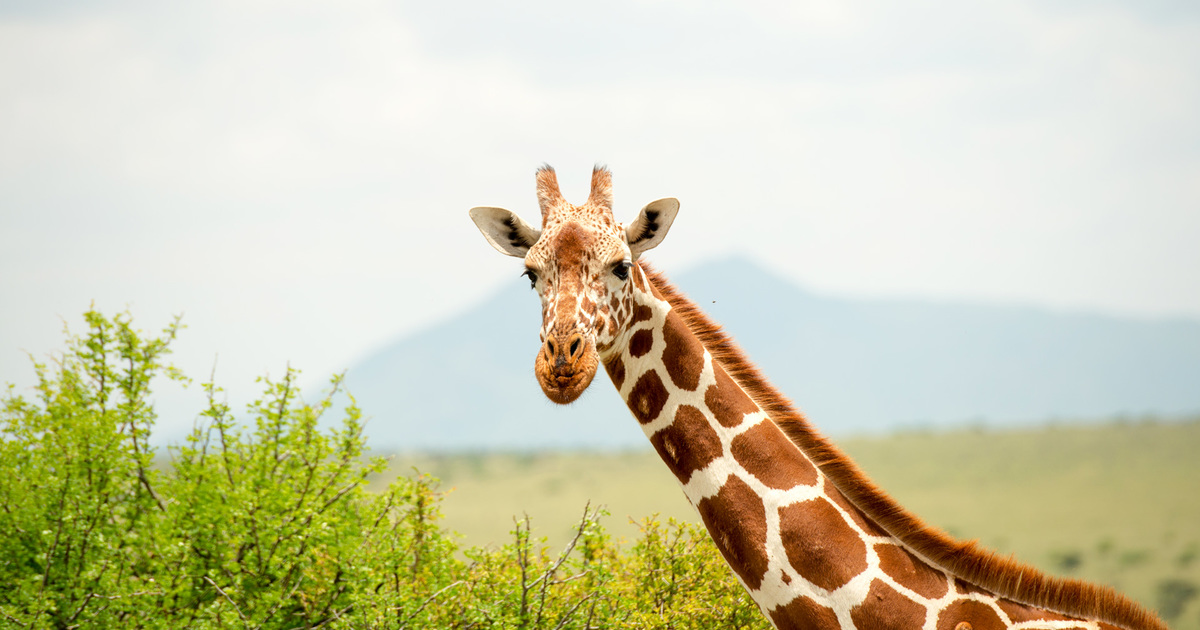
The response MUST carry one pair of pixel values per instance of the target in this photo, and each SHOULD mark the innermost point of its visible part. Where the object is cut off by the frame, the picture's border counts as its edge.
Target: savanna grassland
(1117, 503)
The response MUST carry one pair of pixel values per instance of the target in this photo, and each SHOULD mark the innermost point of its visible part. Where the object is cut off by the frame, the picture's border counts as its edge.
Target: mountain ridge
(852, 365)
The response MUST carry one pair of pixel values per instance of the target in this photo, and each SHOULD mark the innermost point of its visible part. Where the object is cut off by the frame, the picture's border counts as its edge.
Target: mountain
(852, 366)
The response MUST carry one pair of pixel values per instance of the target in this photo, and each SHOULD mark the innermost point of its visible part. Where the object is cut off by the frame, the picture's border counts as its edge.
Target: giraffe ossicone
(812, 540)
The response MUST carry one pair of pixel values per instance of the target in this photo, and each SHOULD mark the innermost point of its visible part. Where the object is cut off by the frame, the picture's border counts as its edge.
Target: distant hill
(853, 366)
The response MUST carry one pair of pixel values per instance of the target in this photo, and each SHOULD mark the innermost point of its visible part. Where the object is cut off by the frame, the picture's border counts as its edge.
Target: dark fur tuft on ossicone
(548, 194)
(601, 190)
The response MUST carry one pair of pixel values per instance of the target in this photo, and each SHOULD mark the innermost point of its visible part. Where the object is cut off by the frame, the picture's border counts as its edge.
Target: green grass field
(1117, 503)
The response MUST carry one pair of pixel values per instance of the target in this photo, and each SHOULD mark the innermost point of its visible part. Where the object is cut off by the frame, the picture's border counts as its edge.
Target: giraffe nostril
(575, 346)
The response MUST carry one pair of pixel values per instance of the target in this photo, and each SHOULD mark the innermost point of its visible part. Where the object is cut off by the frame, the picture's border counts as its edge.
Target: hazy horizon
(294, 179)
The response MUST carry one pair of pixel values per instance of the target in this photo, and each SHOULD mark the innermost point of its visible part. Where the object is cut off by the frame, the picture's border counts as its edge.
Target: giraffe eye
(621, 270)
(532, 275)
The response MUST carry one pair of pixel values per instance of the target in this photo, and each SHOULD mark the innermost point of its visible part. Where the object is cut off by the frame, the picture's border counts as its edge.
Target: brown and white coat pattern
(812, 540)
(808, 557)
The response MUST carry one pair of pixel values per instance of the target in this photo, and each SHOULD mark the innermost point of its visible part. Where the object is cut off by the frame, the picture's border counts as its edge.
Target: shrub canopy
(264, 521)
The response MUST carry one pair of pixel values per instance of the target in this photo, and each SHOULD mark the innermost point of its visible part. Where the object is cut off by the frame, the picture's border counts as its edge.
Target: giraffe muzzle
(565, 366)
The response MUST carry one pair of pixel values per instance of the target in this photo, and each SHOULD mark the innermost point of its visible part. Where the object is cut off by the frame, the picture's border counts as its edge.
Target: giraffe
(815, 543)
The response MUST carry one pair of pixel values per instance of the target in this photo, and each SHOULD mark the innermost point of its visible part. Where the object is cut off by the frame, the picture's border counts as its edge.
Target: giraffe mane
(982, 567)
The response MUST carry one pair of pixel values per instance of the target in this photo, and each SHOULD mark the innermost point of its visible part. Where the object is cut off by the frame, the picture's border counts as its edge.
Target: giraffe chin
(565, 383)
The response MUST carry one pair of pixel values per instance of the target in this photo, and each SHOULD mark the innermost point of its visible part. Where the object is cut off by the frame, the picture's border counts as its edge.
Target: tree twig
(404, 623)
(230, 600)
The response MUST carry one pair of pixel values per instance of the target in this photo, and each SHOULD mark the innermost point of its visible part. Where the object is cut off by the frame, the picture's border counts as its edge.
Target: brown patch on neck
(641, 313)
(976, 616)
(616, 370)
(682, 353)
(910, 572)
(886, 608)
(803, 613)
(1018, 613)
(737, 521)
(765, 452)
(647, 398)
(640, 343)
(688, 444)
(1002, 576)
(823, 549)
(726, 400)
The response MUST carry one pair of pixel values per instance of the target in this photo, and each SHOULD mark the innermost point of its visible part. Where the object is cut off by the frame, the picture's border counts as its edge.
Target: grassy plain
(1116, 503)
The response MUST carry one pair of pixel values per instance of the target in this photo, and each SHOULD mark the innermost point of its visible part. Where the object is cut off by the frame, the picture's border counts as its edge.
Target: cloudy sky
(293, 177)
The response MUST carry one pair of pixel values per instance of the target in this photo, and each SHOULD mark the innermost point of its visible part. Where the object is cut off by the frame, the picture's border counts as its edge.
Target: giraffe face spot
(682, 353)
(726, 400)
(820, 545)
(765, 452)
(640, 343)
(737, 520)
(910, 572)
(803, 613)
(885, 608)
(688, 444)
(979, 615)
(647, 397)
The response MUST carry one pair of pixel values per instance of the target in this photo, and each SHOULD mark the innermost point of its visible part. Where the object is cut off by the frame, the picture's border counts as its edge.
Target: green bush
(1173, 595)
(265, 522)
(1066, 560)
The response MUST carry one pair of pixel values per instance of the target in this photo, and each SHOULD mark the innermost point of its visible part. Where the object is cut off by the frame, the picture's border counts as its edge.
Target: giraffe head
(581, 263)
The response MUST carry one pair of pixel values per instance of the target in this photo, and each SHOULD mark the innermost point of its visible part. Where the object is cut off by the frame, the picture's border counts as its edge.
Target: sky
(293, 178)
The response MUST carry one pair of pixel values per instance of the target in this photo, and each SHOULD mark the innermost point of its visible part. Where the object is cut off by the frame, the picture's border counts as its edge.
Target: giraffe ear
(651, 225)
(505, 230)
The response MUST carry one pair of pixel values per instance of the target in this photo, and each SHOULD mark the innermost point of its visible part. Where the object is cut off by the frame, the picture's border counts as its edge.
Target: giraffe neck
(807, 554)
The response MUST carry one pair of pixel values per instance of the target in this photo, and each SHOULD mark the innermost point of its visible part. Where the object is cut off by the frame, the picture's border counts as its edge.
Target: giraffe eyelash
(533, 277)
